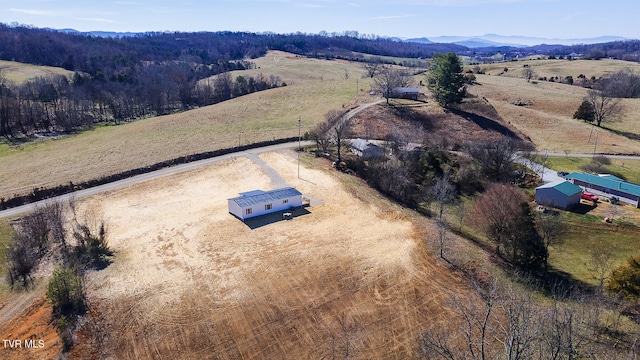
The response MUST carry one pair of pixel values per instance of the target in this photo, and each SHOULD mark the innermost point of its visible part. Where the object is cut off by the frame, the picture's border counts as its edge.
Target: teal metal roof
(607, 181)
(563, 186)
(261, 197)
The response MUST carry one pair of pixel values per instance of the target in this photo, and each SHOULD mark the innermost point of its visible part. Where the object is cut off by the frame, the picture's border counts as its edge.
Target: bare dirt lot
(351, 276)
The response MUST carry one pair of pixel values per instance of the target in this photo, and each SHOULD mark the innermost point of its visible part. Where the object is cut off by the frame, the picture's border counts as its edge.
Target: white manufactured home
(257, 202)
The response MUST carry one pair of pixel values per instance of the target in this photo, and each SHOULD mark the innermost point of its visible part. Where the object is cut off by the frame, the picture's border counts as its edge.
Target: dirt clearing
(191, 281)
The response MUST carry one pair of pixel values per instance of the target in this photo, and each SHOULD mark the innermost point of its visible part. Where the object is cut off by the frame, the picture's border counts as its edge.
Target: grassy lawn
(588, 235)
(627, 169)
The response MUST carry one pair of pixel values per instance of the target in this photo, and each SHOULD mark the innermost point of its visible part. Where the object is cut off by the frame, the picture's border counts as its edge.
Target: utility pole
(595, 144)
(299, 146)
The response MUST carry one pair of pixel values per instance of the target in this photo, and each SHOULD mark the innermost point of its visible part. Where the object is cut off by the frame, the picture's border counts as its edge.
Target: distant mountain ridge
(493, 40)
(473, 42)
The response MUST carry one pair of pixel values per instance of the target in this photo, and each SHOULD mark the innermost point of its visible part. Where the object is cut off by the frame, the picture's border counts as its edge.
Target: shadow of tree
(485, 123)
(628, 135)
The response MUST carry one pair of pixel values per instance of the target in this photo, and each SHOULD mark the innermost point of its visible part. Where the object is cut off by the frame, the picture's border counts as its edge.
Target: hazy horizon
(548, 19)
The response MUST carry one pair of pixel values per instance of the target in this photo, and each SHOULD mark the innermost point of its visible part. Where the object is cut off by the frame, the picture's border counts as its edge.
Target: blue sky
(560, 19)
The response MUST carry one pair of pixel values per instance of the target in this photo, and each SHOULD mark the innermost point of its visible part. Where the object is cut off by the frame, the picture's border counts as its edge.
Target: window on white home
(248, 211)
(267, 207)
(285, 201)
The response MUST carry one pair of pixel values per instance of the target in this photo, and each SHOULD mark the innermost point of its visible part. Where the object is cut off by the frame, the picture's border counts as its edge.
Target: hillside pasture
(19, 73)
(350, 276)
(266, 115)
(557, 67)
(543, 111)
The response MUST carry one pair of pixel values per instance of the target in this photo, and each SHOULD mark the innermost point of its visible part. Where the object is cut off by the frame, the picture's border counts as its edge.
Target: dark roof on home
(563, 186)
(260, 197)
(607, 181)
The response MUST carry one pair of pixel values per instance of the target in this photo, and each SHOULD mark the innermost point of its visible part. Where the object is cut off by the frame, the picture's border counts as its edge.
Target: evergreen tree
(585, 112)
(625, 279)
(446, 80)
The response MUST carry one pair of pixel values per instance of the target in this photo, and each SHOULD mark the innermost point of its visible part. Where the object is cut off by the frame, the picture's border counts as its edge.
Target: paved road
(251, 154)
(275, 178)
(547, 175)
(629, 157)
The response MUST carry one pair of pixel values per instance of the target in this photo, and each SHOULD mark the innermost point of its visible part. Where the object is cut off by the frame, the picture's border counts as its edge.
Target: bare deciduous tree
(528, 73)
(521, 328)
(496, 157)
(551, 229)
(600, 266)
(389, 79)
(605, 107)
(341, 127)
(372, 67)
(442, 192)
(570, 326)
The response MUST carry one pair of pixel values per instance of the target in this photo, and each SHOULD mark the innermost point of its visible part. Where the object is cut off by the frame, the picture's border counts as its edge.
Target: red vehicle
(589, 196)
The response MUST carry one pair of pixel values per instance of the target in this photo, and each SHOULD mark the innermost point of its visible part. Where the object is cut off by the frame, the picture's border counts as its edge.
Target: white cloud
(98, 20)
(34, 12)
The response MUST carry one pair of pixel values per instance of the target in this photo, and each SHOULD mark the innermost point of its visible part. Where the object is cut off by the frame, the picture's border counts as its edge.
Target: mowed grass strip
(256, 117)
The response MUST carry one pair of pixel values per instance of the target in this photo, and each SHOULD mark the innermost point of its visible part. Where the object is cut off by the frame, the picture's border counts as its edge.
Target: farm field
(256, 117)
(350, 274)
(20, 72)
(314, 87)
(547, 119)
(543, 110)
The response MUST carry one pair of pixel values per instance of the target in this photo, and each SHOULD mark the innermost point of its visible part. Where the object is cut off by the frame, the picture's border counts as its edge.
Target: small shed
(365, 149)
(257, 202)
(558, 194)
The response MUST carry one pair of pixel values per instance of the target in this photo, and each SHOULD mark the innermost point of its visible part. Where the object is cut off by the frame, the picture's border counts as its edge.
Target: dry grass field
(256, 117)
(314, 87)
(19, 72)
(189, 280)
(543, 111)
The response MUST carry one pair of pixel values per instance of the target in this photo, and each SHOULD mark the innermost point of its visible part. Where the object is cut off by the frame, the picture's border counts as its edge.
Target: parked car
(562, 174)
(589, 196)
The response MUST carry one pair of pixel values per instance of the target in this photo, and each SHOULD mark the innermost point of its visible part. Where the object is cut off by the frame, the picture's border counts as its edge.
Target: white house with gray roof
(257, 202)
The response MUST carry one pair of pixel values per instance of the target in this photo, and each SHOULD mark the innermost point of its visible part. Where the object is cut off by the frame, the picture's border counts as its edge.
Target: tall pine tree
(445, 79)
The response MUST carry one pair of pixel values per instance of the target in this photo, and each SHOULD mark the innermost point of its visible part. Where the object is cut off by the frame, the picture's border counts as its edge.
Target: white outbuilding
(257, 202)
(558, 194)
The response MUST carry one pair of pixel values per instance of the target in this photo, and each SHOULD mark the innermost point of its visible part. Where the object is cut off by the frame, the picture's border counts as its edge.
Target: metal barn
(608, 186)
(558, 194)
